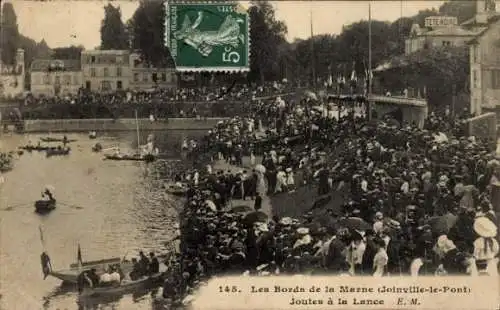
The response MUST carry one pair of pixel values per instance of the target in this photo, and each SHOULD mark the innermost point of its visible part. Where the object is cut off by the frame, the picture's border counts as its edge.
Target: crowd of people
(6, 161)
(161, 103)
(392, 198)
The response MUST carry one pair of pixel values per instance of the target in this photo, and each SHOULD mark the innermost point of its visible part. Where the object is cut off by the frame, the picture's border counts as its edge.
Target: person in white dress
(380, 259)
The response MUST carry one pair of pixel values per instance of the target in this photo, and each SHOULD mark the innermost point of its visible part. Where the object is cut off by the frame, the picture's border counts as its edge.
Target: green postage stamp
(208, 36)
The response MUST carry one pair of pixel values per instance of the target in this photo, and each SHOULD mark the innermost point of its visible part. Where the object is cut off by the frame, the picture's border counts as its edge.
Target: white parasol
(50, 188)
(260, 168)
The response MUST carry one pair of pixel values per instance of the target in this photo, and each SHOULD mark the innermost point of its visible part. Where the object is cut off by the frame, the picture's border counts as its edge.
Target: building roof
(483, 30)
(106, 52)
(43, 65)
(450, 31)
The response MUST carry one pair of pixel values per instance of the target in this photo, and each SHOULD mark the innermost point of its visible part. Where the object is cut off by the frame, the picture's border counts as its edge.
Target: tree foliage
(70, 52)
(147, 27)
(266, 34)
(113, 34)
(9, 34)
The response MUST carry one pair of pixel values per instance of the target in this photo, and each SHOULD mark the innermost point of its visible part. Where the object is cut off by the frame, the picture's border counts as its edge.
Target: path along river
(112, 208)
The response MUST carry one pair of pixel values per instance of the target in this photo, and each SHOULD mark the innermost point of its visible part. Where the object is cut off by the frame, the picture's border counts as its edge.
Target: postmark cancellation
(208, 36)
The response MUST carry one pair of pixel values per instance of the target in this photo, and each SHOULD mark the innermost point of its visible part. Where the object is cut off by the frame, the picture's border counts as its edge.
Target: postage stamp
(208, 36)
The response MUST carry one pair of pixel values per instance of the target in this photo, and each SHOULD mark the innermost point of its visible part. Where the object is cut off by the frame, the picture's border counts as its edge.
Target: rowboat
(56, 152)
(125, 287)
(43, 206)
(176, 189)
(130, 157)
(50, 139)
(38, 148)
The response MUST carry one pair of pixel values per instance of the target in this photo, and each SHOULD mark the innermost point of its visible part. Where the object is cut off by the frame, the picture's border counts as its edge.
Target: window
(476, 53)
(92, 59)
(164, 77)
(145, 77)
(446, 43)
(92, 72)
(46, 79)
(67, 79)
(118, 84)
(495, 79)
(136, 77)
(57, 80)
(106, 72)
(76, 80)
(154, 77)
(119, 71)
(105, 86)
(119, 59)
(474, 79)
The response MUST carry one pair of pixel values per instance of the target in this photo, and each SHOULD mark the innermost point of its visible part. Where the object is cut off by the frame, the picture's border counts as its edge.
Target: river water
(110, 208)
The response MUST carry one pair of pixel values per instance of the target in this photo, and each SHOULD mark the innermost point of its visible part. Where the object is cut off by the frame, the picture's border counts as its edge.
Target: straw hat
(303, 230)
(484, 227)
(288, 169)
(286, 221)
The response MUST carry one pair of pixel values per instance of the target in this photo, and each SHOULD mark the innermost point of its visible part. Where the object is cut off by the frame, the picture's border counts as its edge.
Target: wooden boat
(130, 157)
(50, 139)
(42, 206)
(125, 287)
(92, 135)
(58, 152)
(38, 148)
(176, 189)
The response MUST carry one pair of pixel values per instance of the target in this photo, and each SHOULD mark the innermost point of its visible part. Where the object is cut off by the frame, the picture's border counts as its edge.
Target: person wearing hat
(486, 247)
(380, 259)
(453, 261)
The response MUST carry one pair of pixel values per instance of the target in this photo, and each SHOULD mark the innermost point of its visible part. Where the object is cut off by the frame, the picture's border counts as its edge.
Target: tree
(113, 34)
(266, 34)
(70, 52)
(9, 34)
(462, 10)
(147, 27)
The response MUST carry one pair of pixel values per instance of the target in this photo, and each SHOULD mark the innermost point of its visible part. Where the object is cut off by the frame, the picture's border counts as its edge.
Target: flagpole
(369, 58)
(313, 60)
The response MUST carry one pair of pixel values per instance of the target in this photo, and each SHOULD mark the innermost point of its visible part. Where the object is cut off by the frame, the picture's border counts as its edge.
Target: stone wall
(127, 124)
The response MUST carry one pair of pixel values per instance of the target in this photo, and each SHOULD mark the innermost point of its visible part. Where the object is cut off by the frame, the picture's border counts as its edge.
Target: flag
(354, 78)
(79, 255)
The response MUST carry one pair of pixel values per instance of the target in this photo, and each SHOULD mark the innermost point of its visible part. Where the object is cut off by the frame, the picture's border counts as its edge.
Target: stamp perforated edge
(207, 69)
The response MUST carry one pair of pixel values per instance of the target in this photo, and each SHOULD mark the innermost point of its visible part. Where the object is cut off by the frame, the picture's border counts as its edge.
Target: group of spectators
(6, 161)
(161, 103)
(392, 199)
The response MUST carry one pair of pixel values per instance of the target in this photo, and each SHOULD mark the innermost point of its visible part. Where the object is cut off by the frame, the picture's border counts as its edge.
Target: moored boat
(176, 189)
(92, 135)
(38, 148)
(51, 139)
(42, 206)
(130, 157)
(55, 152)
(125, 287)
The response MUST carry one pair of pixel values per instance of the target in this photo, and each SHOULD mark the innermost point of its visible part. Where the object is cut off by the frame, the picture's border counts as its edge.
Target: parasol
(309, 94)
(356, 223)
(442, 224)
(260, 168)
(241, 209)
(50, 188)
(256, 216)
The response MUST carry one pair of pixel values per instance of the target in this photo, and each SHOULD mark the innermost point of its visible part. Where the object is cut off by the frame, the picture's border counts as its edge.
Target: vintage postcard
(249, 155)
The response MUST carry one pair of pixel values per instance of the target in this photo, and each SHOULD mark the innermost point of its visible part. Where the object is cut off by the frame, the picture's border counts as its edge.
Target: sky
(64, 23)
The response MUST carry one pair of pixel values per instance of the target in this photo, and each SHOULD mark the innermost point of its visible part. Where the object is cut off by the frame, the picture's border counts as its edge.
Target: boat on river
(125, 287)
(92, 135)
(58, 152)
(39, 148)
(44, 206)
(51, 139)
(176, 188)
(131, 157)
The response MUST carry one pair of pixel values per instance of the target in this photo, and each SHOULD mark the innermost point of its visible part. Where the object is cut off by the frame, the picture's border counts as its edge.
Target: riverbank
(123, 124)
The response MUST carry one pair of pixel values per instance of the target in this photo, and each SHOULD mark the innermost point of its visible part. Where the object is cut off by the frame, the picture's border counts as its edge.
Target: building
(145, 77)
(54, 77)
(12, 77)
(106, 70)
(438, 31)
(485, 60)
